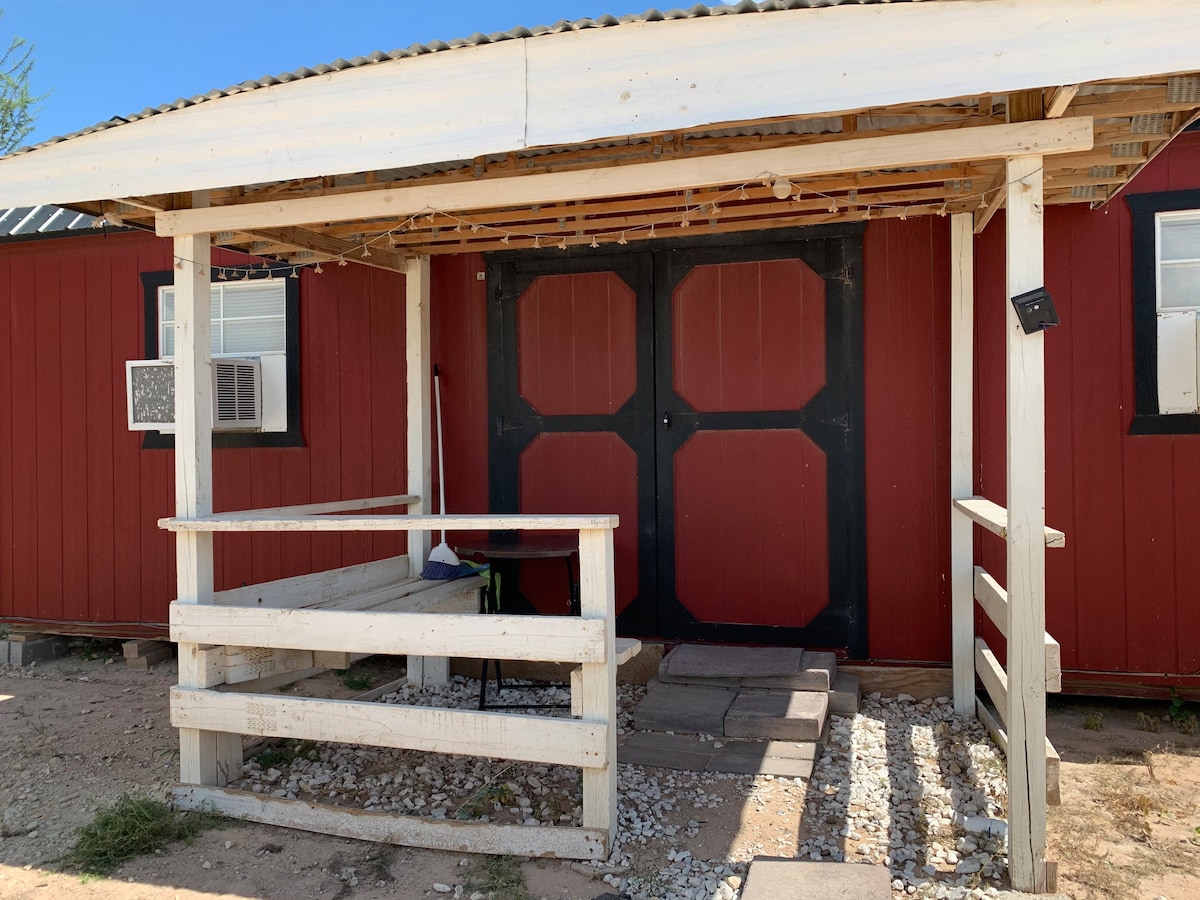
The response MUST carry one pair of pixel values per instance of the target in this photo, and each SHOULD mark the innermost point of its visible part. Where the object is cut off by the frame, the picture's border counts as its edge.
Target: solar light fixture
(1036, 310)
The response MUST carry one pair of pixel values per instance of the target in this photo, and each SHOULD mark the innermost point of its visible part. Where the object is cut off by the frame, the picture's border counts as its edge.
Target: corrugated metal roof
(477, 39)
(31, 221)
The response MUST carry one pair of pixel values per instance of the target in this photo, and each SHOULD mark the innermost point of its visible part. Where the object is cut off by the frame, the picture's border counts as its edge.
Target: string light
(621, 240)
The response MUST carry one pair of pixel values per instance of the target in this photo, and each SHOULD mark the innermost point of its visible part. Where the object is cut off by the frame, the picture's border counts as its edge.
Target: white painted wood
(995, 727)
(598, 690)
(962, 392)
(892, 151)
(332, 506)
(302, 590)
(626, 649)
(994, 518)
(271, 682)
(205, 757)
(407, 831)
(604, 82)
(1177, 365)
(994, 600)
(1025, 452)
(542, 638)
(418, 369)
(207, 665)
(565, 742)
(993, 676)
(501, 521)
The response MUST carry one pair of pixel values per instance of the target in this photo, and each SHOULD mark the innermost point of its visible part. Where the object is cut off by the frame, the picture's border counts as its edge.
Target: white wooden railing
(276, 624)
(993, 599)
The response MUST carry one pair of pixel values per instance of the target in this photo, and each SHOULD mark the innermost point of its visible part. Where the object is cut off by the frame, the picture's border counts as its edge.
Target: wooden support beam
(379, 255)
(994, 202)
(1025, 452)
(1060, 99)
(332, 506)
(538, 638)
(858, 154)
(994, 518)
(1026, 106)
(205, 756)
(962, 390)
(597, 597)
(994, 600)
(308, 590)
(406, 831)
(418, 359)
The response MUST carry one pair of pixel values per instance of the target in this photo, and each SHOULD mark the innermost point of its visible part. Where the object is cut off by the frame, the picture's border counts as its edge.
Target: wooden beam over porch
(886, 152)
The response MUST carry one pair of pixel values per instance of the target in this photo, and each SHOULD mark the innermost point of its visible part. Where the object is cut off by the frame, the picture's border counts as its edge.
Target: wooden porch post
(962, 389)
(1026, 480)
(205, 757)
(421, 669)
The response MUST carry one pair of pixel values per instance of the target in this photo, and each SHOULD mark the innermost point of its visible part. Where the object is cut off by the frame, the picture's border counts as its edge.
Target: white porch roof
(580, 98)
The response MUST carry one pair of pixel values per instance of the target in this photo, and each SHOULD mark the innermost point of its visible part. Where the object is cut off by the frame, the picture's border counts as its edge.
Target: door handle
(666, 421)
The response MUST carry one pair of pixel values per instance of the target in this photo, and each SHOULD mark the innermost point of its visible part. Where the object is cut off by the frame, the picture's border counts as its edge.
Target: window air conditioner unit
(237, 394)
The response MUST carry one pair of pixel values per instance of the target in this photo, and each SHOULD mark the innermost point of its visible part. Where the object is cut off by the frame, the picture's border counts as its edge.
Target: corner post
(597, 598)
(1025, 453)
(962, 389)
(422, 670)
(205, 757)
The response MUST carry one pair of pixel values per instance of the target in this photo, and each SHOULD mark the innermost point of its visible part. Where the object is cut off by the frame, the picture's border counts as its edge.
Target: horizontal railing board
(994, 679)
(301, 590)
(250, 522)
(389, 828)
(991, 721)
(994, 600)
(566, 742)
(533, 638)
(994, 518)
(329, 506)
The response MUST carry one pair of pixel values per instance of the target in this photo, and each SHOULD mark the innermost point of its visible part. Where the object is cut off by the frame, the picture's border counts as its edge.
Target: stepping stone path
(773, 700)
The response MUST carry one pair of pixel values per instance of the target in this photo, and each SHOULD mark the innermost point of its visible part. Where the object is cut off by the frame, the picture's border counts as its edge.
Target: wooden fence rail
(373, 608)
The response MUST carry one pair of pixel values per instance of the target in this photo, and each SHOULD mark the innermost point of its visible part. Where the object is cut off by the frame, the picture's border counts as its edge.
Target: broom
(443, 562)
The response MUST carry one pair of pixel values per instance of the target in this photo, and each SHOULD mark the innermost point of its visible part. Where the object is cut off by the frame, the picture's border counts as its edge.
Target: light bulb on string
(562, 245)
(595, 243)
(942, 210)
(621, 240)
(652, 234)
(781, 188)
(366, 251)
(742, 195)
(318, 269)
(221, 275)
(504, 240)
(537, 242)
(342, 261)
(295, 273)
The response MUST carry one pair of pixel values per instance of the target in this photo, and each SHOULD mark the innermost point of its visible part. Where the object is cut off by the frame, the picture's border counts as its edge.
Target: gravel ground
(895, 786)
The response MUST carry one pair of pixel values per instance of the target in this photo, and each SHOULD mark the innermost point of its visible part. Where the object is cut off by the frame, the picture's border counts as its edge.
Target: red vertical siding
(906, 340)
(80, 498)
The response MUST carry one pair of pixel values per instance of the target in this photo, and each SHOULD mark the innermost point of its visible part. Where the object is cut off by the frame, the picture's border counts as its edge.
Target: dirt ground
(78, 733)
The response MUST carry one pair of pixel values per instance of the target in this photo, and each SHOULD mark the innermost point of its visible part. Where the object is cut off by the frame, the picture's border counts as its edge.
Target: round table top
(524, 546)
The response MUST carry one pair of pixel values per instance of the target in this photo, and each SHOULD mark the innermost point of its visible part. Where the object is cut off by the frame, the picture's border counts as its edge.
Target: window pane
(167, 346)
(1180, 239)
(254, 299)
(1180, 286)
(167, 313)
(254, 335)
(214, 344)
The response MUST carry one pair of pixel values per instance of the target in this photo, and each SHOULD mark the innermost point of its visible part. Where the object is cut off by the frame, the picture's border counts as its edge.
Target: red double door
(711, 396)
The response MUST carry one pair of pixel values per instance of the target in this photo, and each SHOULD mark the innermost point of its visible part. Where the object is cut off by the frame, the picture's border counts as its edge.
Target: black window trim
(294, 436)
(1143, 209)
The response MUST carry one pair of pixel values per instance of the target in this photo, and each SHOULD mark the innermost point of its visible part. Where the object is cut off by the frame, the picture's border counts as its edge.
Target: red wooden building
(767, 410)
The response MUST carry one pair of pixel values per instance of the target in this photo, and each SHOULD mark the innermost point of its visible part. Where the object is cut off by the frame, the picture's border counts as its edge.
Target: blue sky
(105, 58)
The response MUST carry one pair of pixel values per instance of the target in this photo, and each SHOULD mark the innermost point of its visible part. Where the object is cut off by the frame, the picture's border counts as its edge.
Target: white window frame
(219, 291)
(1178, 327)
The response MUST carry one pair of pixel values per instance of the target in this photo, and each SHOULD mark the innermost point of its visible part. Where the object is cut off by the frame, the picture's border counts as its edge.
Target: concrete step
(788, 759)
(777, 715)
(683, 708)
(844, 694)
(794, 879)
(769, 668)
